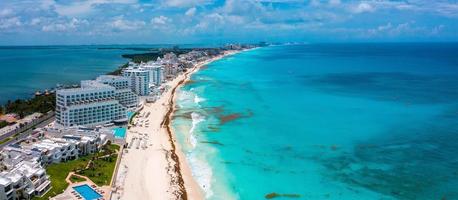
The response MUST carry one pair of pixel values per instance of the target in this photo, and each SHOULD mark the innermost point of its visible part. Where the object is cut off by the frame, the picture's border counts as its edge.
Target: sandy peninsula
(153, 165)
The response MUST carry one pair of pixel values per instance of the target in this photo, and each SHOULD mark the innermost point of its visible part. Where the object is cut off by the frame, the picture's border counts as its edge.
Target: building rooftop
(104, 78)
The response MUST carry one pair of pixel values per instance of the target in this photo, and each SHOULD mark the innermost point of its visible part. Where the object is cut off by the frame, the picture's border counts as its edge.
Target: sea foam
(200, 168)
(202, 172)
(196, 119)
(198, 99)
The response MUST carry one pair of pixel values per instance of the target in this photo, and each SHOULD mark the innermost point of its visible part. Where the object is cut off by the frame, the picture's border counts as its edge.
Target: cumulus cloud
(191, 12)
(35, 21)
(80, 8)
(286, 18)
(363, 7)
(6, 12)
(185, 3)
(121, 24)
(11, 22)
(402, 29)
(63, 26)
(334, 2)
(161, 20)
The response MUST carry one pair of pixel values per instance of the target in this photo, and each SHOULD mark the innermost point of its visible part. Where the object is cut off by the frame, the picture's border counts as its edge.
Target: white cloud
(402, 29)
(64, 26)
(334, 2)
(315, 3)
(121, 24)
(6, 12)
(363, 7)
(161, 20)
(35, 21)
(437, 29)
(11, 22)
(185, 3)
(80, 8)
(191, 12)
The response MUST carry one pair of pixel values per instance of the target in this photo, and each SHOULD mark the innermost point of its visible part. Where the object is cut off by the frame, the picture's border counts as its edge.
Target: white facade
(25, 180)
(22, 175)
(156, 73)
(91, 105)
(140, 80)
(56, 150)
(123, 92)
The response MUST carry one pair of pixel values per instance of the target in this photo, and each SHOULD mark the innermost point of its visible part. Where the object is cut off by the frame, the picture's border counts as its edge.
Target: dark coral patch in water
(212, 142)
(402, 166)
(189, 82)
(185, 115)
(227, 118)
(214, 110)
(213, 128)
(403, 88)
(204, 67)
(276, 195)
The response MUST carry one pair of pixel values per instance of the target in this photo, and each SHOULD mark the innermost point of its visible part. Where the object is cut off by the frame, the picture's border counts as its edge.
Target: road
(27, 132)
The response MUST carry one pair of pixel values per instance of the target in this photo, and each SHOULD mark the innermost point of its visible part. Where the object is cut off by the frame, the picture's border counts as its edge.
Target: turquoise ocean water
(325, 121)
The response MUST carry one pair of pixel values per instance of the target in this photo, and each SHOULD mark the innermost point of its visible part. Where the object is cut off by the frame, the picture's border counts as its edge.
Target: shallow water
(333, 121)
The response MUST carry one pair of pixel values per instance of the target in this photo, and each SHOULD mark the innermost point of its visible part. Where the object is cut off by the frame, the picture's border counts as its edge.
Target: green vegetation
(145, 57)
(42, 104)
(9, 138)
(100, 168)
(58, 172)
(76, 179)
(6, 140)
(119, 70)
(112, 147)
(3, 124)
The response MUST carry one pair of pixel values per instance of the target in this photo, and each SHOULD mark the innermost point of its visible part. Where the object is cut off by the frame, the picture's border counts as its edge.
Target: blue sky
(38, 22)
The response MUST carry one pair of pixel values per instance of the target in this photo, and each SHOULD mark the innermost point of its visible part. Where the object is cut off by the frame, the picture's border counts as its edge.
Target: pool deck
(70, 193)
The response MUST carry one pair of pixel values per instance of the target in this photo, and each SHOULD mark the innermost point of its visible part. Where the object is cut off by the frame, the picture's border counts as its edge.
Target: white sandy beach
(147, 169)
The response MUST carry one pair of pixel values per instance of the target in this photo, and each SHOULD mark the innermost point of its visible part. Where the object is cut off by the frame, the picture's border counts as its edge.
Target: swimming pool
(87, 192)
(119, 132)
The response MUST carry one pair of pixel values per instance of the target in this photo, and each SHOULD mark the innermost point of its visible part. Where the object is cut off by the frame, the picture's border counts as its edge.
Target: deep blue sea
(26, 69)
(325, 121)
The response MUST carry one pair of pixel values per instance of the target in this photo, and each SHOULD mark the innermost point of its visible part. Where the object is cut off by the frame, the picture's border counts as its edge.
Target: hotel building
(23, 181)
(123, 91)
(139, 79)
(90, 105)
(22, 175)
(156, 73)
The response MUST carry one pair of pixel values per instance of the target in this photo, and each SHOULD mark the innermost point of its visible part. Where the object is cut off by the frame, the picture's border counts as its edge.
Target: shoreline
(158, 170)
(186, 172)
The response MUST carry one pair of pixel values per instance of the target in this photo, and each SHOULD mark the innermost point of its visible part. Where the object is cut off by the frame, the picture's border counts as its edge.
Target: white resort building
(156, 73)
(140, 80)
(123, 91)
(92, 104)
(23, 180)
(22, 175)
